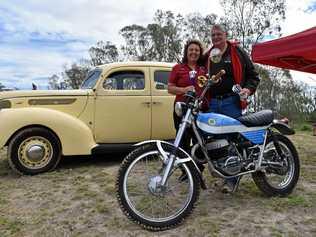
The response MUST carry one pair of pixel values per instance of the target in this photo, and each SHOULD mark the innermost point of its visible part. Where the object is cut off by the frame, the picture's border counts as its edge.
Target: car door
(123, 106)
(162, 105)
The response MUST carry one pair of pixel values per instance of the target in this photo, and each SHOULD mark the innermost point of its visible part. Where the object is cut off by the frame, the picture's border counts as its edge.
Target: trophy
(216, 55)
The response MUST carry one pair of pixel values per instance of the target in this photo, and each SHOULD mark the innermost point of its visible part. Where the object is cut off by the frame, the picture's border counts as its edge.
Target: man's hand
(245, 92)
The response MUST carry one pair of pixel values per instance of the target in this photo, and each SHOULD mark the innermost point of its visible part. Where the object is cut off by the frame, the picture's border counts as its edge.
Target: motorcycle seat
(261, 118)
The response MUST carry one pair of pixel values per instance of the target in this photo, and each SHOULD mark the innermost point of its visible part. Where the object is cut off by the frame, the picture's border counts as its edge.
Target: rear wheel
(142, 198)
(281, 175)
(33, 151)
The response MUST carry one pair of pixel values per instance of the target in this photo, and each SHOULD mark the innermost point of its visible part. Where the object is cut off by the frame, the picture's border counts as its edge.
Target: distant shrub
(306, 128)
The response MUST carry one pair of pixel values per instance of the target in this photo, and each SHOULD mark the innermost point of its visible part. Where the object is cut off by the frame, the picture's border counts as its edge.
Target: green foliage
(102, 53)
(251, 20)
(136, 44)
(9, 227)
(163, 39)
(75, 75)
(279, 92)
(55, 82)
(198, 26)
(159, 41)
(306, 128)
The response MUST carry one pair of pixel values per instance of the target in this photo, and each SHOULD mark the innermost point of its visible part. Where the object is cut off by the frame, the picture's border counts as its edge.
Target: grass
(9, 227)
(78, 199)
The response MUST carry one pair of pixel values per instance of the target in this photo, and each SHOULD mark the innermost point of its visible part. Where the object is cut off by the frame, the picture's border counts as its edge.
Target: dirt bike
(149, 188)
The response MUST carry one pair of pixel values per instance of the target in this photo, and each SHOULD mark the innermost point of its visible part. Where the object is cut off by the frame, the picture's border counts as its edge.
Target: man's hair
(220, 27)
(185, 51)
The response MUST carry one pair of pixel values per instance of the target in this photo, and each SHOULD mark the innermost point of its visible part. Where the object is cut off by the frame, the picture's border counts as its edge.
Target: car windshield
(91, 79)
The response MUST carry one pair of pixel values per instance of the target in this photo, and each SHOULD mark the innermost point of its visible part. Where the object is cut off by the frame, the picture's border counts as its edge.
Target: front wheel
(33, 151)
(281, 174)
(141, 197)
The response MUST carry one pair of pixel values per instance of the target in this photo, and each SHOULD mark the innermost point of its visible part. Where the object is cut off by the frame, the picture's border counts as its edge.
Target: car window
(91, 79)
(161, 79)
(125, 80)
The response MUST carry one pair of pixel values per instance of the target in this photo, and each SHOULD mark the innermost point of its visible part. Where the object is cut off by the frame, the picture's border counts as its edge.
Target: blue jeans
(229, 106)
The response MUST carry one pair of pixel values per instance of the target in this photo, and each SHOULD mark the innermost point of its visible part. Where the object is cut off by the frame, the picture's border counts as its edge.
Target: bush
(306, 127)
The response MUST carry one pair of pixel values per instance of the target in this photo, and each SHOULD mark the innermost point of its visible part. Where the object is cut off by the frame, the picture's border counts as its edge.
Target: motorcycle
(149, 187)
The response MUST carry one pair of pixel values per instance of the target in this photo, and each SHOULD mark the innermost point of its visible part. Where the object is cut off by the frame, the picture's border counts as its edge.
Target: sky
(39, 37)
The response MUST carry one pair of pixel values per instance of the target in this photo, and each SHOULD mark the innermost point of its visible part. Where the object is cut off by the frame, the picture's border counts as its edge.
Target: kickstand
(237, 184)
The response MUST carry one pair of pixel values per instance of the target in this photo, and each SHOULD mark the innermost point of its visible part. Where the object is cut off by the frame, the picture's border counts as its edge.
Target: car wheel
(33, 151)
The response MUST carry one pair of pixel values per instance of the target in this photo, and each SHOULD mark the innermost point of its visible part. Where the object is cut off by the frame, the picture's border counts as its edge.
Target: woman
(183, 78)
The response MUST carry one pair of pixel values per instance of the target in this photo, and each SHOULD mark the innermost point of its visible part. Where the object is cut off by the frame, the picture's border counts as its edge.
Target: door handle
(146, 103)
(157, 103)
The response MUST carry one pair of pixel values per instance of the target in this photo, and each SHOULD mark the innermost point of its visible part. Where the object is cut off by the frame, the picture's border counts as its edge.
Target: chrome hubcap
(35, 153)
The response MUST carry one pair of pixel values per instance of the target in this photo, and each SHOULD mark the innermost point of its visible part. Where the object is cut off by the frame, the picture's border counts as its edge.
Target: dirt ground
(78, 199)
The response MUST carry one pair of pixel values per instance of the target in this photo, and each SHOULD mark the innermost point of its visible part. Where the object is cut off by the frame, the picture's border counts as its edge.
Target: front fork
(184, 124)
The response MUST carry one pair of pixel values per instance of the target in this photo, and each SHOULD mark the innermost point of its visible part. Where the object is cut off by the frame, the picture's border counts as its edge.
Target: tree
(279, 92)
(137, 42)
(166, 35)
(75, 75)
(161, 40)
(1, 86)
(56, 83)
(199, 27)
(103, 52)
(164, 38)
(252, 20)
(270, 87)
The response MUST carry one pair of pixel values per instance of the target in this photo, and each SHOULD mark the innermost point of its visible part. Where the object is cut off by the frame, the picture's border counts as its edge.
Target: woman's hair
(185, 51)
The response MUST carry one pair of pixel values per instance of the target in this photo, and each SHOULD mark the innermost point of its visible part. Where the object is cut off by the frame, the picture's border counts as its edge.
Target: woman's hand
(188, 88)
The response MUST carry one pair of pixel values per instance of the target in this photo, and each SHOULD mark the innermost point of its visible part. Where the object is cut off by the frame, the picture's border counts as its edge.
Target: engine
(225, 156)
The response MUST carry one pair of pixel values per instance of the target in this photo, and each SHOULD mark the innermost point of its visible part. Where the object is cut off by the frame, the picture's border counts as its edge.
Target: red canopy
(295, 52)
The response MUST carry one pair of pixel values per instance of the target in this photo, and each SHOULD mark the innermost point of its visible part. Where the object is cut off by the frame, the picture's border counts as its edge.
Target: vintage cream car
(118, 104)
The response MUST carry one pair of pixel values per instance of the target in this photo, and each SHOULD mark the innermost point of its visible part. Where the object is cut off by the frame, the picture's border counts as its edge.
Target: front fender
(75, 136)
(188, 158)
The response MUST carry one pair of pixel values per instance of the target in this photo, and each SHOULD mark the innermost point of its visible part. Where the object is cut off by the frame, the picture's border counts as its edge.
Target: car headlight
(178, 108)
(5, 104)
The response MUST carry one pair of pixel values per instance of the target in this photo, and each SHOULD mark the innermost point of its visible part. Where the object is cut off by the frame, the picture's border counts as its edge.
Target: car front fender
(75, 136)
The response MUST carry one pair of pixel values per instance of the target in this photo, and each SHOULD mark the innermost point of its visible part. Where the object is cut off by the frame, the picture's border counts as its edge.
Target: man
(239, 70)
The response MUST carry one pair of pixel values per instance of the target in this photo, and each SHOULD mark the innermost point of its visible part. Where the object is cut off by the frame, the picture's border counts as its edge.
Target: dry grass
(78, 199)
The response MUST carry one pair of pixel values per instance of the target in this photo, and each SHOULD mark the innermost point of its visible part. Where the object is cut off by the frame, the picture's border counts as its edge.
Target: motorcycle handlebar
(214, 79)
